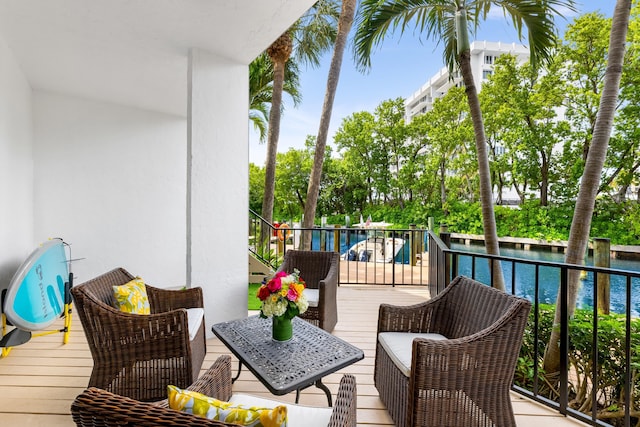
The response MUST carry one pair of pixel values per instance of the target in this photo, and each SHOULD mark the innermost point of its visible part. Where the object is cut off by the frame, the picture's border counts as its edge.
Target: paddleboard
(35, 296)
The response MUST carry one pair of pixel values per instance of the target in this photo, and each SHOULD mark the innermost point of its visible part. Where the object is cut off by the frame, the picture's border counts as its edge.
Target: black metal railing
(261, 245)
(401, 261)
(446, 263)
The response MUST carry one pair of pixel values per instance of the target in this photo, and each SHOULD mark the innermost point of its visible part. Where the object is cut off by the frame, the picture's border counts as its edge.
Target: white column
(218, 184)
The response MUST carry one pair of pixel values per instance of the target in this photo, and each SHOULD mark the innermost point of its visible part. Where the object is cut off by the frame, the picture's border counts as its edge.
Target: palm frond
(377, 18)
(538, 16)
(259, 120)
(315, 32)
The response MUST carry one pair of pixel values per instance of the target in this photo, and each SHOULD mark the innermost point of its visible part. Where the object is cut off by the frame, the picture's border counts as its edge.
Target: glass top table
(284, 367)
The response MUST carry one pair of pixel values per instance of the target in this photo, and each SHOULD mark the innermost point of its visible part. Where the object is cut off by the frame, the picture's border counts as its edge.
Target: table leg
(319, 384)
(326, 390)
(233, 380)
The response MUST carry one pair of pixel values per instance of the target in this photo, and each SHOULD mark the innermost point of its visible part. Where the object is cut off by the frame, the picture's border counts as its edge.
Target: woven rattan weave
(139, 355)
(100, 408)
(320, 270)
(463, 381)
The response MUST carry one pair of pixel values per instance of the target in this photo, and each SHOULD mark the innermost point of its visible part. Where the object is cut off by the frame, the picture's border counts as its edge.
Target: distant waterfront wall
(628, 252)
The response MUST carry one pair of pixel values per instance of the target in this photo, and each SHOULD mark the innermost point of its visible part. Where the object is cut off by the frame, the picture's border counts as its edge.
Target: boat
(375, 249)
(369, 224)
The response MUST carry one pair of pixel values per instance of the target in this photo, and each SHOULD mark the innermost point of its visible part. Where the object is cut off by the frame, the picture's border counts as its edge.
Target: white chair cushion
(313, 296)
(194, 318)
(298, 415)
(398, 346)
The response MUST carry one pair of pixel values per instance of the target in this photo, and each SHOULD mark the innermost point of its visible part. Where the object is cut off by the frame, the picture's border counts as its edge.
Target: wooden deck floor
(39, 380)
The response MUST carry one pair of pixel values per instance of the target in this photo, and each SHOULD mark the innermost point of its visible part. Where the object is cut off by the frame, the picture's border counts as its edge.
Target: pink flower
(292, 295)
(275, 284)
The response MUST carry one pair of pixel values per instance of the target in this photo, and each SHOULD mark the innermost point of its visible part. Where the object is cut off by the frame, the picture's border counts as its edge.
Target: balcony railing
(379, 256)
(619, 362)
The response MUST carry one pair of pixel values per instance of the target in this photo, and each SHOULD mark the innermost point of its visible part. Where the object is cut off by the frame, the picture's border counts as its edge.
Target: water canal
(550, 277)
(524, 274)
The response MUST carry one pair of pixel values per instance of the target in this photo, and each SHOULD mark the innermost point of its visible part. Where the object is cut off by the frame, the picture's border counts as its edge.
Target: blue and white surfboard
(35, 297)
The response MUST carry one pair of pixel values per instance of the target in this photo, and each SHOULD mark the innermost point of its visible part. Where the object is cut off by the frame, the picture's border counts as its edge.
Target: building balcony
(40, 379)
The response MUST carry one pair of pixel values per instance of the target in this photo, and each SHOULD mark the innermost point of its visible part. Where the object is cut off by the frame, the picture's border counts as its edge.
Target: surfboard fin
(15, 337)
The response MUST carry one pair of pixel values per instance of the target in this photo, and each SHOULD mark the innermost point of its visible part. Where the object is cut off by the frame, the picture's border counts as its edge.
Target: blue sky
(399, 67)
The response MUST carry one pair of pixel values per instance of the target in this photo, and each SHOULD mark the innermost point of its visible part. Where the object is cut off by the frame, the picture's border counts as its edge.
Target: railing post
(563, 399)
(444, 228)
(446, 239)
(433, 276)
(602, 258)
(413, 245)
(323, 233)
(282, 243)
(336, 238)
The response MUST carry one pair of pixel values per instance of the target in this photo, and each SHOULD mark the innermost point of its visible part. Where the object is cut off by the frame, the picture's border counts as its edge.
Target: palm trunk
(581, 224)
(344, 26)
(272, 146)
(279, 53)
(486, 196)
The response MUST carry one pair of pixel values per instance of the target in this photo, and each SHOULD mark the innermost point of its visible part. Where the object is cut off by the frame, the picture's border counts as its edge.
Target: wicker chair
(96, 407)
(457, 366)
(320, 271)
(139, 355)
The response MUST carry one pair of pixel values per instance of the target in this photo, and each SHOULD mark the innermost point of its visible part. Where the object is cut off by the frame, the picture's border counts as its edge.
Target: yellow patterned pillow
(198, 404)
(132, 297)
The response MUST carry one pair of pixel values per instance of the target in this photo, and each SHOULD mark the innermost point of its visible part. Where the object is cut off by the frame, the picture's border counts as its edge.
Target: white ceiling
(134, 52)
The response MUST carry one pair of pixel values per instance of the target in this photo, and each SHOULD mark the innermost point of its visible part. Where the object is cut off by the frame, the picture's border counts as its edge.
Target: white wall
(218, 184)
(16, 166)
(111, 181)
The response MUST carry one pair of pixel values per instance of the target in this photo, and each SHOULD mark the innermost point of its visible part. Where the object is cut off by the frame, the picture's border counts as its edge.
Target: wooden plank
(51, 373)
(36, 420)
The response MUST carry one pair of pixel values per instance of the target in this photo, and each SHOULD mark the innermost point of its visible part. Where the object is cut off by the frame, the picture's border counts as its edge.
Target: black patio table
(284, 367)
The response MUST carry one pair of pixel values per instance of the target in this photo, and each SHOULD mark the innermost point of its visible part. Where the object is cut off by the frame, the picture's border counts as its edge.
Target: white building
(124, 130)
(483, 56)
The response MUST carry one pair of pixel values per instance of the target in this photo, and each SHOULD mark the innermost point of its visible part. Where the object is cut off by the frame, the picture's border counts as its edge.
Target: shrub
(609, 364)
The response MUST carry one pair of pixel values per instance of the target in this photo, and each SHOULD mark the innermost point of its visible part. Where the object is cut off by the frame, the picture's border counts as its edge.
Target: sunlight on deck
(39, 380)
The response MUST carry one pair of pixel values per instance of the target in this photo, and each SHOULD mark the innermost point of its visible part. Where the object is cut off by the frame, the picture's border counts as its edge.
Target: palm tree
(451, 21)
(261, 90)
(344, 26)
(581, 223)
(306, 40)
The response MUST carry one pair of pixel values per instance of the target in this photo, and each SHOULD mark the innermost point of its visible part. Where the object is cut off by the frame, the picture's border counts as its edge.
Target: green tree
(450, 21)
(521, 105)
(622, 166)
(445, 137)
(391, 136)
(306, 40)
(355, 142)
(341, 191)
(344, 26)
(292, 179)
(256, 187)
(589, 184)
(584, 55)
(261, 90)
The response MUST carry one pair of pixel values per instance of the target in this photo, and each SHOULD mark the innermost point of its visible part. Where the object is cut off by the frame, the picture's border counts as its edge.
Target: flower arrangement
(283, 295)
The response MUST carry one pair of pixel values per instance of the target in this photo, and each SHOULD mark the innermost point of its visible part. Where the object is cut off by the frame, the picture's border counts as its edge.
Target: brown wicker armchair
(321, 272)
(95, 407)
(461, 377)
(139, 355)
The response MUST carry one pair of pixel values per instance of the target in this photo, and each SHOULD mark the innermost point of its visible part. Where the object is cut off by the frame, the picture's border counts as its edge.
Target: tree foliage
(537, 125)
